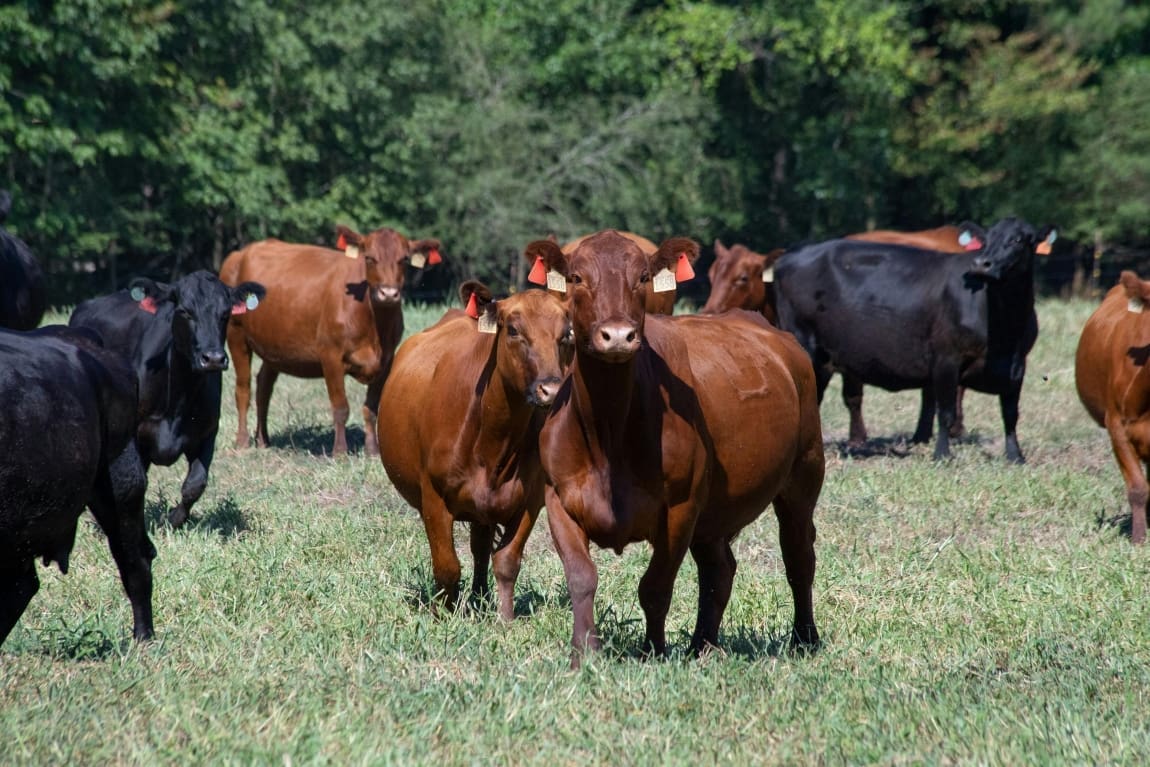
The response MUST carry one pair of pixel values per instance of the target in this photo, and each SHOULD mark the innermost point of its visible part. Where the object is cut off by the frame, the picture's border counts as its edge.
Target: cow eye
(645, 277)
(576, 279)
(568, 337)
(512, 331)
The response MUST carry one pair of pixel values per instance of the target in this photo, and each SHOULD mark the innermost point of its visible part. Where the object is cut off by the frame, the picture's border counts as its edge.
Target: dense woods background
(155, 136)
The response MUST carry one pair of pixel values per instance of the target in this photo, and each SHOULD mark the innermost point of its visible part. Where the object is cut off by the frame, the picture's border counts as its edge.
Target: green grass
(973, 612)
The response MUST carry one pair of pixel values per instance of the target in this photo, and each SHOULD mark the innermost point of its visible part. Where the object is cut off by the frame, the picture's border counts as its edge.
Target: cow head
(607, 278)
(1007, 249)
(739, 278)
(385, 253)
(533, 338)
(198, 307)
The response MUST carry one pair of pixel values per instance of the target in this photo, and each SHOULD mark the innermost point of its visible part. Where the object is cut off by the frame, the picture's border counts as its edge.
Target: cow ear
(480, 305)
(347, 238)
(1133, 285)
(247, 296)
(721, 251)
(676, 254)
(544, 256)
(971, 236)
(425, 253)
(1046, 237)
(149, 294)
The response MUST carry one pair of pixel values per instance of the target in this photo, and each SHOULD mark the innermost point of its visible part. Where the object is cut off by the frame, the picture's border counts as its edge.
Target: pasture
(972, 612)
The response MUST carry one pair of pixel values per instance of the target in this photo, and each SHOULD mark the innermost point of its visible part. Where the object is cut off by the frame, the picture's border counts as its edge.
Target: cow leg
(958, 431)
(1133, 473)
(853, 398)
(794, 509)
(265, 384)
(945, 395)
(925, 427)
(1008, 403)
(370, 413)
(195, 482)
(716, 565)
(437, 523)
(574, 551)
(16, 591)
(242, 361)
(508, 561)
(658, 582)
(482, 541)
(333, 376)
(118, 505)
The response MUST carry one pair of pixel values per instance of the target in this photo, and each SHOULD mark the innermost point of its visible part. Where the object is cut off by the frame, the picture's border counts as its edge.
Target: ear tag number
(487, 323)
(556, 282)
(137, 294)
(252, 301)
(352, 251)
(418, 259)
(663, 281)
(1134, 305)
(769, 274)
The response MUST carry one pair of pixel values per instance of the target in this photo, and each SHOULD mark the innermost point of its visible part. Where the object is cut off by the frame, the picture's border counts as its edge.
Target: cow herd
(628, 424)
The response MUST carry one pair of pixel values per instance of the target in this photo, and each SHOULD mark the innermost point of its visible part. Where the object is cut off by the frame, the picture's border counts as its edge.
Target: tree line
(155, 136)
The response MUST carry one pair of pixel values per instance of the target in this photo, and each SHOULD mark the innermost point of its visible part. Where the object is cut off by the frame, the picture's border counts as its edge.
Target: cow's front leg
(508, 561)
(1008, 404)
(333, 374)
(1133, 473)
(370, 416)
(16, 591)
(199, 461)
(574, 551)
(437, 523)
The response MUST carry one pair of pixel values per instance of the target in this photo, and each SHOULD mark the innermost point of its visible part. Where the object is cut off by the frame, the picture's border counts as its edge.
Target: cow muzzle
(387, 294)
(543, 390)
(212, 361)
(615, 341)
(984, 267)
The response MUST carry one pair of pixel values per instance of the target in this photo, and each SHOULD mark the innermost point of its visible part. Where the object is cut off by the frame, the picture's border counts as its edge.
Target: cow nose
(982, 264)
(543, 391)
(619, 338)
(214, 360)
(388, 293)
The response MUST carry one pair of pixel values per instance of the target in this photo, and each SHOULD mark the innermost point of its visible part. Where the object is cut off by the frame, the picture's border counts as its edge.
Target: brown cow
(656, 302)
(1114, 384)
(468, 406)
(944, 239)
(678, 431)
(326, 314)
(742, 279)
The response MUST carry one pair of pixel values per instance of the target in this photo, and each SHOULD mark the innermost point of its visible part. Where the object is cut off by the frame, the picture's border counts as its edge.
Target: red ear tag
(433, 258)
(148, 304)
(538, 272)
(472, 307)
(974, 244)
(341, 243)
(683, 270)
(239, 308)
(1043, 248)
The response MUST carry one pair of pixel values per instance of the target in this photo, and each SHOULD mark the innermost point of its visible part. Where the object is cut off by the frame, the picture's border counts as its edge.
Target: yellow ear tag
(418, 259)
(487, 323)
(556, 282)
(663, 281)
(769, 274)
(1134, 305)
(352, 251)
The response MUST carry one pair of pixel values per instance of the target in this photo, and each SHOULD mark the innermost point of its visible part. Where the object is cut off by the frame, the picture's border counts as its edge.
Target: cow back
(943, 239)
(1110, 369)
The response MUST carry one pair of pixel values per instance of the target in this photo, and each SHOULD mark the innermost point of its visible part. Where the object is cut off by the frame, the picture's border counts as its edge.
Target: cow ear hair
(144, 287)
(721, 250)
(248, 296)
(968, 233)
(668, 254)
(347, 236)
(549, 252)
(481, 292)
(1131, 283)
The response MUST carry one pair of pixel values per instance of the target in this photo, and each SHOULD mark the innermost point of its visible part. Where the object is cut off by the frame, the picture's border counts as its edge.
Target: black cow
(174, 337)
(901, 318)
(68, 429)
(22, 299)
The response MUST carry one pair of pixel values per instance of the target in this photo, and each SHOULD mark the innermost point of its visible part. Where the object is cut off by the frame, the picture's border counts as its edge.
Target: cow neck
(602, 392)
(385, 316)
(498, 418)
(175, 382)
(1011, 304)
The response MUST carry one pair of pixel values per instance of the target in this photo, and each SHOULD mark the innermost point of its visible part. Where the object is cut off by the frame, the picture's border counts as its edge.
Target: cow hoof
(921, 439)
(805, 640)
(177, 517)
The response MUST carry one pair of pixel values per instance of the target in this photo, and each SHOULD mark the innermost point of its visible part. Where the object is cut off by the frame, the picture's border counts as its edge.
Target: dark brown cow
(464, 404)
(742, 279)
(1114, 384)
(328, 314)
(678, 431)
(656, 302)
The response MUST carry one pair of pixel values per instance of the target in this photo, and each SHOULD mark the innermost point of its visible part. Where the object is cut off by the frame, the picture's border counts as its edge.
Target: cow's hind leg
(1133, 473)
(16, 591)
(265, 383)
(371, 415)
(945, 381)
(482, 541)
(924, 429)
(716, 565)
(853, 399)
(118, 505)
(242, 361)
(794, 509)
(508, 560)
(437, 523)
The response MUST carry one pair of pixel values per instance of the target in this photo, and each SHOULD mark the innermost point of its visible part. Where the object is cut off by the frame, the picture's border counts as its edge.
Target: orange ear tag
(419, 260)
(1043, 248)
(538, 274)
(341, 243)
(683, 269)
(472, 307)
(352, 251)
(433, 257)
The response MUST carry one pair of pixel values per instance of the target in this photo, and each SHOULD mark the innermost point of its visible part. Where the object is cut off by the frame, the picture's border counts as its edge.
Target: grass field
(973, 612)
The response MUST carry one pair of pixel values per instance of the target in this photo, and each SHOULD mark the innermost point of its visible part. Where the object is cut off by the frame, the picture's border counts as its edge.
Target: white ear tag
(663, 281)
(352, 251)
(418, 259)
(1134, 305)
(769, 274)
(556, 282)
(487, 323)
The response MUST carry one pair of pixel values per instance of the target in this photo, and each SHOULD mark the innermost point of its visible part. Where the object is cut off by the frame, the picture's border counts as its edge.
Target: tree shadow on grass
(316, 440)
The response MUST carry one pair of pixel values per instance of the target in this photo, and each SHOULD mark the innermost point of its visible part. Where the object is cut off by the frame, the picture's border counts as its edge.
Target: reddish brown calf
(327, 314)
(1114, 384)
(742, 279)
(678, 431)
